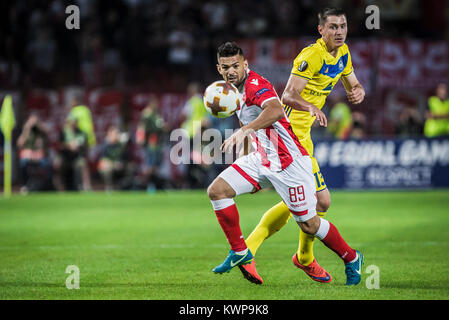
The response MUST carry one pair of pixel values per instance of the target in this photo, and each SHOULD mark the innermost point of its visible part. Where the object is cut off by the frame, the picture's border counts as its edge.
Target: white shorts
(295, 184)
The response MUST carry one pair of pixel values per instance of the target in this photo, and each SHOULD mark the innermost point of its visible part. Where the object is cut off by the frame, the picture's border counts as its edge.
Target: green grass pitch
(164, 246)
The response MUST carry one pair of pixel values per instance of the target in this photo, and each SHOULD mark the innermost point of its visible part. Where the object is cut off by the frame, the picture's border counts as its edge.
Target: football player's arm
(354, 90)
(272, 112)
(247, 144)
(292, 98)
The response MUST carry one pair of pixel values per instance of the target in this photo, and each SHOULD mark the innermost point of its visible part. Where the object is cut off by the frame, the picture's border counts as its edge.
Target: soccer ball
(221, 99)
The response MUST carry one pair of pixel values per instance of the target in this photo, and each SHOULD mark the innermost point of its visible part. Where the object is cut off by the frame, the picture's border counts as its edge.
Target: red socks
(228, 218)
(330, 236)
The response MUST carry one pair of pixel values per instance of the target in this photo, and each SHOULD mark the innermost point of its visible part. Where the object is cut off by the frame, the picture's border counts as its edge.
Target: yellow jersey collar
(321, 42)
(323, 45)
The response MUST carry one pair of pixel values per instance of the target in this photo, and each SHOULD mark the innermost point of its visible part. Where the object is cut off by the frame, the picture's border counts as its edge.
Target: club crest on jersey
(340, 65)
(303, 66)
(255, 82)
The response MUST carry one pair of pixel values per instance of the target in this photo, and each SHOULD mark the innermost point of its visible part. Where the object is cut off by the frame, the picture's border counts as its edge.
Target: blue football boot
(233, 260)
(353, 270)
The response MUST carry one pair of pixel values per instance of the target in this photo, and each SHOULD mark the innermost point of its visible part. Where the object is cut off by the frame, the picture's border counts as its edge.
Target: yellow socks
(305, 249)
(272, 221)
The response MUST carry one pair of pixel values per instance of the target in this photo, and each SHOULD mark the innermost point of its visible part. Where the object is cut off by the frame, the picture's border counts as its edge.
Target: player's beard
(238, 82)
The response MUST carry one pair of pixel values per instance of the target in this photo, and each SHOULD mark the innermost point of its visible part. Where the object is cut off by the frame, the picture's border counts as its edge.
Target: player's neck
(241, 85)
(332, 50)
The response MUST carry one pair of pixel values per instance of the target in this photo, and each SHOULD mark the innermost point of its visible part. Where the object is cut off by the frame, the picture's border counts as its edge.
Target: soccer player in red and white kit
(279, 161)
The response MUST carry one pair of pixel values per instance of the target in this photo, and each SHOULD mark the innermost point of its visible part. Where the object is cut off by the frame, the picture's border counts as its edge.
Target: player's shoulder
(313, 47)
(257, 87)
(255, 82)
(311, 52)
(254, 75)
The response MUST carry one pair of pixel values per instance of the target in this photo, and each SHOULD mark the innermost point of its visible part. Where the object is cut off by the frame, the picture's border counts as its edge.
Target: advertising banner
(382, 163)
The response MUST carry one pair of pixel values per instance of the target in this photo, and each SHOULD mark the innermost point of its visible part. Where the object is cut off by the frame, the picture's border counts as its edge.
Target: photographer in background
(72, 155)
(113, 165)
(35, 164)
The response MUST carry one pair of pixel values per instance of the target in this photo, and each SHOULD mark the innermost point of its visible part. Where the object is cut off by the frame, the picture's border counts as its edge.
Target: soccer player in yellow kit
(316, 70)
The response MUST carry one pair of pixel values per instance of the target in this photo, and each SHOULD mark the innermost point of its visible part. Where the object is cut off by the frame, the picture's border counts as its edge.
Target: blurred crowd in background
(169, 47)
(70, 158)
(166, 44)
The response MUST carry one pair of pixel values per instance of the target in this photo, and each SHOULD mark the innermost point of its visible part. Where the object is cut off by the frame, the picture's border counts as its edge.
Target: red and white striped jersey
(277, 144)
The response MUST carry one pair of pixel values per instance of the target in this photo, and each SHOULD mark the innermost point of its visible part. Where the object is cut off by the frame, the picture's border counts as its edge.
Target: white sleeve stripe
(268, 99)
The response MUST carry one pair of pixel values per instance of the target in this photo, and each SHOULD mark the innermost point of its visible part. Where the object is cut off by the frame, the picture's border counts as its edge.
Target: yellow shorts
(319, 179)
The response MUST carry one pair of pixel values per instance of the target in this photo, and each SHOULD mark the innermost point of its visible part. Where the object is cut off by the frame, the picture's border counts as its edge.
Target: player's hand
(237, 139)
(320, 116)
(356, 95)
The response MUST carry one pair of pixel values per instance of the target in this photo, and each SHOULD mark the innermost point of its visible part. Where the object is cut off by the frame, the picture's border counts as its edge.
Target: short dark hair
(229, 49)
(329, 11)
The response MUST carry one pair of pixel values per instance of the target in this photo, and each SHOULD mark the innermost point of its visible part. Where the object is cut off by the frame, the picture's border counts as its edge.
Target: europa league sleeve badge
(303, 66)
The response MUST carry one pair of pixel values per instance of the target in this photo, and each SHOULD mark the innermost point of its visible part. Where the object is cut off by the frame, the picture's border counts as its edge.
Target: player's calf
(228, 218)
(323, 200)
(221, 195)
(310, 226)
(329, 235)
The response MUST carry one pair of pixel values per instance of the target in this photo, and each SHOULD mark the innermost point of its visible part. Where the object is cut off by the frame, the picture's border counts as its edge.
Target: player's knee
(218, 191)
(324, 202)
(310, 226)
(309, 229)
(213, 192)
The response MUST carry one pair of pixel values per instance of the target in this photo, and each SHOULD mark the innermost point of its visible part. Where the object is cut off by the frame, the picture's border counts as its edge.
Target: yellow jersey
(322, 70)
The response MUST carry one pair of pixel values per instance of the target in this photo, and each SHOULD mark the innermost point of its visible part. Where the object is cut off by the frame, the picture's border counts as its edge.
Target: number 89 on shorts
(296, 194)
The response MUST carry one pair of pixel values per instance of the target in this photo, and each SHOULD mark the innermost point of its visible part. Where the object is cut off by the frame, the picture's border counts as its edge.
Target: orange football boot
(313, 270)
(250, 273)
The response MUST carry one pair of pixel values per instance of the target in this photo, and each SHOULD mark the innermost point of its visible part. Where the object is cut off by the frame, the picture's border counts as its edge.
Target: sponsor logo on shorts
(299, 205)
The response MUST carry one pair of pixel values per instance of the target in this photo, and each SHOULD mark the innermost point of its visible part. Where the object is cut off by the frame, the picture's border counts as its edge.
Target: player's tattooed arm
(354, 90)
(292, 97)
